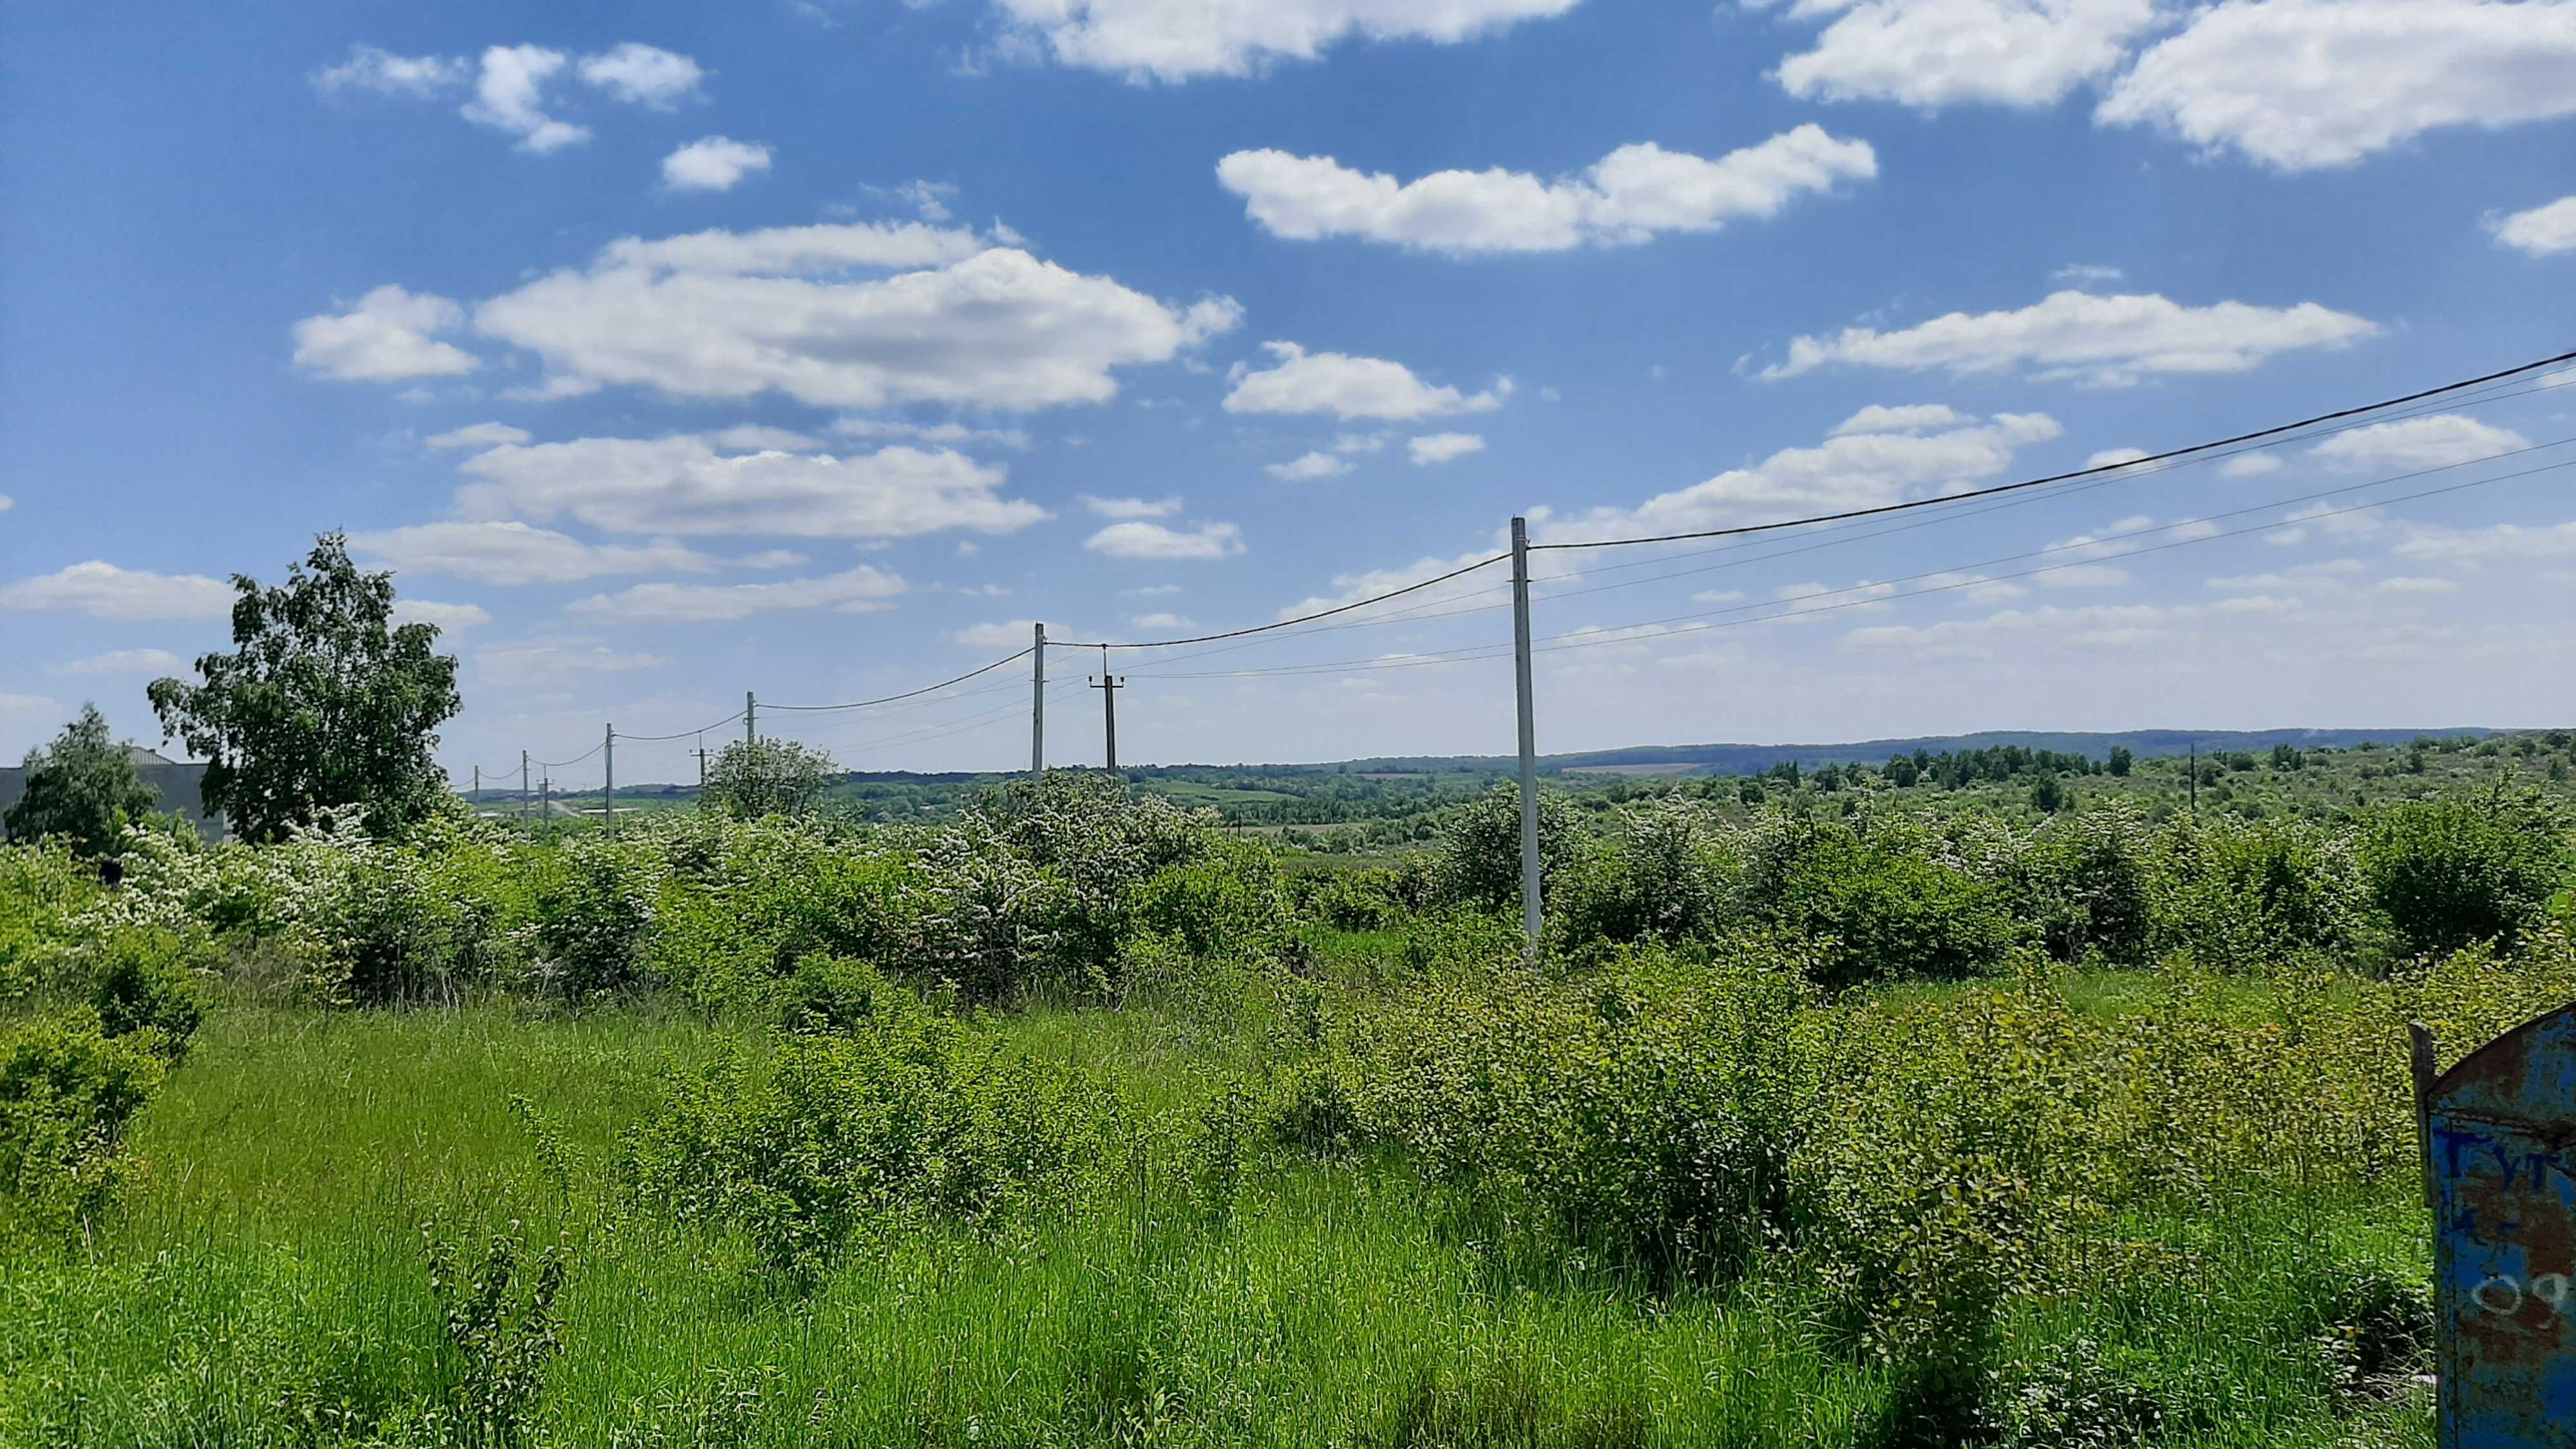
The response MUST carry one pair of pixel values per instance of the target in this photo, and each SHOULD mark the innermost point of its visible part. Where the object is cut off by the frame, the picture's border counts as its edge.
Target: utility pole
(750, 718)
(1109, 686)
(702, 764)
(2195, 779)
(545, 797)
(608, 776)
(477, 796)
(1530, 920)
(523, 787)
(1037, 706)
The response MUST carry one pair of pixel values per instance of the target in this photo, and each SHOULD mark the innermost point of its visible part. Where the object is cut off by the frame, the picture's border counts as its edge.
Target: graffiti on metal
(2500, 1147)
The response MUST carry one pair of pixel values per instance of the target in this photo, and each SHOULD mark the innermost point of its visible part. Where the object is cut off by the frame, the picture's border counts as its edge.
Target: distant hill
(1723, 759)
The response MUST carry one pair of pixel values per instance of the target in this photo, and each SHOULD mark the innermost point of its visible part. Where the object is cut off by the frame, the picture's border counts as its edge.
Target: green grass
(265, 1283)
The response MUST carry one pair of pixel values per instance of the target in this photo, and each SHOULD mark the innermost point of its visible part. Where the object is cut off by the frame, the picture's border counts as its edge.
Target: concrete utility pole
(702, 764)
(1109, 686)
(545, 797)
(1037, 706)
(750, 718)
(523, 787)
(477, 796)
(608, 774)
(1530, 919)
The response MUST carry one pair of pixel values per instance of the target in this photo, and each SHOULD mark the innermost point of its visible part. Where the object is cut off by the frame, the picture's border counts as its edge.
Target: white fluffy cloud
(1155, 541)
(2249, 465)
(2500, 543)
(1626, 197)
(2111, 341)
(2543, 231)
(643, 75)
(123, 661)
(478, 435)
(860, 590)
(1942, 52)
(547, 661)
(682, 485)
(1008, 634)
(1849, 470)
(2297, 84)
(105, 591)
(1178, 40)
(369, 68)
(731, 315)
(713, 163)
(514, 553)
(510, 83)
(448, 617)
(1911, 418)
(1125, 508)
(1308, 467)
(384, 338)
(1350, 388)
(2418, 443)
(1443, 448)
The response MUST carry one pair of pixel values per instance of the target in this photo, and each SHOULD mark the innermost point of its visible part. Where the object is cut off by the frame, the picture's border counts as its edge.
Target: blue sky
(668, 351)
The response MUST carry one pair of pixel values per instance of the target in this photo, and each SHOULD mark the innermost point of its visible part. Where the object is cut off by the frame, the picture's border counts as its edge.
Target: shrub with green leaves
(67, 1093)
(1480, 847)
(1889, 902)
(149, 983)
(594, 916)
(907, 1116)
(1664, 870)
(2248, 895)
(2450, 873)
(44, 892)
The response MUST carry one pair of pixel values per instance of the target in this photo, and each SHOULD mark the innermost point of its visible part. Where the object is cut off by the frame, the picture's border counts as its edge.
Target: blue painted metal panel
(2501, 1128)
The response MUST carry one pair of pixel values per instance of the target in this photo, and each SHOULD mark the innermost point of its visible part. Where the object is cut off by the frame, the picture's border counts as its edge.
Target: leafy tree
(2450, 873)
(83, 789)
(2121, 760)
(2048, 796)
(324, 704)
(752, 778)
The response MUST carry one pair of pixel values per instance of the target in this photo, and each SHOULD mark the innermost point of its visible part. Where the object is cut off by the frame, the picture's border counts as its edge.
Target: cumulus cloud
(382, 72)
(445, 616)
(860, 590)
(2499, 543)
(713, 163)
(1627, 197)
(643, 75)
(1912, 418)
(1161, 622)
(1850, 470)
(952, 434)
(547, 661)
(2414, 444)
(509, 95)
(2108, 341)
(731, 315)
(1010, 634)
(1930, 53)
(1155, 541)
(479, 435)
(2249, 465)
(495, 552)
(2298, 84)
(123, 661)
(2405, 585)
(384, 338)
(1124, 508)
(1443, 448)
(1350, 388)
(2543, 231)
(1168, 41)
(1308, 467)
(683, 485)
(104, 591)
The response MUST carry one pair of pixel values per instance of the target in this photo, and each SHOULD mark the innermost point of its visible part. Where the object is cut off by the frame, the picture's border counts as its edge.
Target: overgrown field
(1076, 1119)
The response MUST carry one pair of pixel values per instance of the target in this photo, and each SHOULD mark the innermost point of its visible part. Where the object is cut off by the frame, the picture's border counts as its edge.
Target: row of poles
(1109, 684)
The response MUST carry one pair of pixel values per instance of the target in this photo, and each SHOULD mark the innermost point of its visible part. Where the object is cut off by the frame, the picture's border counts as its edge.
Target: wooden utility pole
(1109, 684)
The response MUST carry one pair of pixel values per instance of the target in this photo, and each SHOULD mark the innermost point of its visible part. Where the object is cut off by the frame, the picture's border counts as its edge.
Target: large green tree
(324, 702)
(83, 789)
(752, 778)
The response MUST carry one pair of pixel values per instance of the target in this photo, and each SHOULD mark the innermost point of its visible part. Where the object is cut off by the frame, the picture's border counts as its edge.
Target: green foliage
(1665, 870)
(2244, 895)
(67, 1094)
(1889, 903)
(1480, 848)
(752, 778)
(2450, 873)
(147, 981)
(2084, 881)
(1228, 900)
(498, 1315)
(594, 912)
(905, 1117)
(323, 705)
(828, 994)
(44, 890)
(81, 789)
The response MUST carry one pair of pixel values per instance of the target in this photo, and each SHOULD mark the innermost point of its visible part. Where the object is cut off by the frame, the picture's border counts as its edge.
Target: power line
(909, 694)
(685, 734)
(2130, 465)
(1290, 623)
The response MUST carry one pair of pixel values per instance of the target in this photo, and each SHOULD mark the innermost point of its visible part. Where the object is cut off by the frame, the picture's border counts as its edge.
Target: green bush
(1228, 899)
(909, 1116)
(594, 916)
(1480, 847)
(500, 1324)
(1665, 870)
(1889, 904)
(146, 980)
(2084, 881)
(2451, 873)
(2246, 896)
(67, 1094)
(831, 995)
(43, 891)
